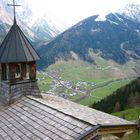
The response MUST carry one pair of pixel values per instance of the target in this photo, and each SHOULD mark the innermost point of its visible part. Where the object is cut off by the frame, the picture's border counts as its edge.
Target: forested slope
(125, 97)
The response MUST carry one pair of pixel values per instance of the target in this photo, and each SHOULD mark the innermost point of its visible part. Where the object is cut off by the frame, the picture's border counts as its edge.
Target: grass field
(133, 136)
(132, 115)
(83, 71)
(129, 114)
(101, 73)
(101, 93)
(78, 71)
(44, 81)
(108, 89)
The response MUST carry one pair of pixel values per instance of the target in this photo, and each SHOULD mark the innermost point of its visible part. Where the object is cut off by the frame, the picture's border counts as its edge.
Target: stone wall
(4, 93)
(11, 92)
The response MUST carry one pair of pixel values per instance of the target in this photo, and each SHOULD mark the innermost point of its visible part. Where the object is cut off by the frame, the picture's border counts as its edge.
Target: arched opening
(18, 72)
(14, 72)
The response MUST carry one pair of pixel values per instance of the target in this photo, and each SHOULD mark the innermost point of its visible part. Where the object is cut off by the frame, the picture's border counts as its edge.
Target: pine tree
(116, 107)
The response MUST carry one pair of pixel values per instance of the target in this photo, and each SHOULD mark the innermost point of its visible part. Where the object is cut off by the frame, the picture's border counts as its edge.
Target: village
(64, 88)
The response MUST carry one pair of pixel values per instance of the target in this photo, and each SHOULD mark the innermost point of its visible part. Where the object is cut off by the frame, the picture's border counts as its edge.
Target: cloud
(72, 11)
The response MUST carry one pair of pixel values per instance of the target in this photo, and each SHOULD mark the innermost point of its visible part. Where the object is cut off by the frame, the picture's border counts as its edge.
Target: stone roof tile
(31, 120)
(89, 115)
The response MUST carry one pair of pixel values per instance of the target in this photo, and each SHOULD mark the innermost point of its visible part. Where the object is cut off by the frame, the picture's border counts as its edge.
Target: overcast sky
(72, 11)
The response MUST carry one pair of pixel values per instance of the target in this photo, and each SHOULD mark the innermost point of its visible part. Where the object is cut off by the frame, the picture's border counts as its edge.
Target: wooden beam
(103, 130)
(23, 71)
(115, 130)
(119, 135)
(12, 72)
(32, 71)
(3, 72)
(91, 134)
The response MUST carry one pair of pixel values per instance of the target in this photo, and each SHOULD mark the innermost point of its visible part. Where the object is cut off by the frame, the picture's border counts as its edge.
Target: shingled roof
(51, 118)
(16, 47)
(29, 119)
(90, 115)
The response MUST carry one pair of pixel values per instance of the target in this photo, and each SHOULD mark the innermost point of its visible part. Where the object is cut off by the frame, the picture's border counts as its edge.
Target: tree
(116, 107)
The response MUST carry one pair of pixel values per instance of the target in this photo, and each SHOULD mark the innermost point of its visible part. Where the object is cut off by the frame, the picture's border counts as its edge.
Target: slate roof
(16, 47)
(50, 118)
(31, 120)
(90, 115)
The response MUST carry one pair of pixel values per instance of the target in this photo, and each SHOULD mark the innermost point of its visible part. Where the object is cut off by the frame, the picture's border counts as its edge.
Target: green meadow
(107, 75)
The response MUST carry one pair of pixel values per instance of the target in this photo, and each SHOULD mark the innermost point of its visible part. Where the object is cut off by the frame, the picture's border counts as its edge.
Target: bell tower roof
(16, 47)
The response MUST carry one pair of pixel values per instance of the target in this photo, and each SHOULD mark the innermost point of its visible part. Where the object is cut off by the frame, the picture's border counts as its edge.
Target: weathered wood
(115, 130)
(0, 73)
(23, 71)
(32, 70)
(4, 72)
(119, 135)
(91, 134)
(12, 72)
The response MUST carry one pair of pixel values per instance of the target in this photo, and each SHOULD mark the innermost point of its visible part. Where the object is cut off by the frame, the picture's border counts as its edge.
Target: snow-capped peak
(131, 11)
(32, 24)
(101, 18)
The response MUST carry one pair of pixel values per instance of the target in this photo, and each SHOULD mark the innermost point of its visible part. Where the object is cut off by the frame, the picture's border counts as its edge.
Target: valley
(86, 83)
(95, 63)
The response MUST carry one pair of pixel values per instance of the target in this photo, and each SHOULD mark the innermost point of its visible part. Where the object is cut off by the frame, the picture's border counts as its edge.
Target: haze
(71, 11)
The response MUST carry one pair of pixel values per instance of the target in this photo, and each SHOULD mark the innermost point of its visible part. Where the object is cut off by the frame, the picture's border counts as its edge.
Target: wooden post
(23, 71)
(32, 71)
(12, 71)
(4, 72)
(0, 73)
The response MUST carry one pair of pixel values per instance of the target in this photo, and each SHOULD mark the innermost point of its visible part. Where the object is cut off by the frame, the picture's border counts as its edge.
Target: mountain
(131, 11)
(116, 38)
(36, 28)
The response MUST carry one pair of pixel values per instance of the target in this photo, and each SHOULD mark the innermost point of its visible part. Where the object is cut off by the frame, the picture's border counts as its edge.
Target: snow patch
(101, 18)
(131, 11)
(112, 22)
(95, 30)
(138, 31)
(120, 19)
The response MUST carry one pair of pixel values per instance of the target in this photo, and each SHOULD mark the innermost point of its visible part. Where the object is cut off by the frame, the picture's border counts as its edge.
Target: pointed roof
(16, 47)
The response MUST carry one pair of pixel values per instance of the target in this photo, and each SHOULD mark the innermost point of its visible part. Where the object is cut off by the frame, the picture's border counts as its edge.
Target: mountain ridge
(36, 28)
(116, 38)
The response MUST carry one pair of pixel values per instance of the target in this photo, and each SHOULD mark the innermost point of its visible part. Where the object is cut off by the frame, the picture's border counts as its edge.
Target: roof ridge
(81, 112)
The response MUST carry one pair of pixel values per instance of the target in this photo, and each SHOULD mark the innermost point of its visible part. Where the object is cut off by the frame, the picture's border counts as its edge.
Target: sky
(72, 11)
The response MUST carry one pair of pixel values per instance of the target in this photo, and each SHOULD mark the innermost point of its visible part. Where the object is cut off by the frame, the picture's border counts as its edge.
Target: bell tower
(17, 65)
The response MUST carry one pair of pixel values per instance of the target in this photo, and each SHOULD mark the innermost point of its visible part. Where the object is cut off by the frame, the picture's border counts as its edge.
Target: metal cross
(14, 5)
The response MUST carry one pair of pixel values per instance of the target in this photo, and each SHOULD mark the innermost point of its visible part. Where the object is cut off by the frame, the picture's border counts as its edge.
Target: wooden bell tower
(17, 63)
